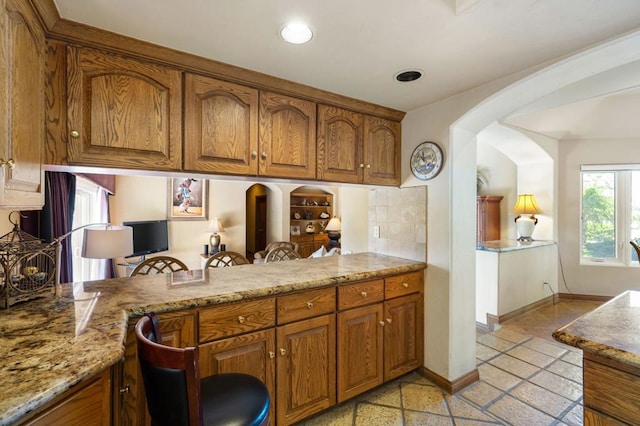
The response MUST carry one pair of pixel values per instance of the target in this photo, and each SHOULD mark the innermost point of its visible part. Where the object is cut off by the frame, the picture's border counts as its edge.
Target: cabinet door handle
(264, 155)
(362, 165)
(283, 351)
(75, 134)
(272, 354)
(125, 389)
(309, 305)
(364, 294)
(381, 323)
(405, 285)
(389, 320)
(8, 162)
(368, 166)
(240, 319)
(254, 154)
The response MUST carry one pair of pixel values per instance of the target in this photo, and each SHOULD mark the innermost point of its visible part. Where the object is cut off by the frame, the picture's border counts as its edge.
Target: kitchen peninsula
(610, 343)
(54, 345)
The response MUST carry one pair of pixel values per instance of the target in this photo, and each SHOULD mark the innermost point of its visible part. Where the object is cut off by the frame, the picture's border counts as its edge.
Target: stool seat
(234, 399)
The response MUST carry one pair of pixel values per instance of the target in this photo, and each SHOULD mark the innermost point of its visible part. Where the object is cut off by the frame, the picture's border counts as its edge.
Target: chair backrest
(159, 265)
(226, 258)
(287, 244)
(279, 254)
(636, 247)
(171, 377)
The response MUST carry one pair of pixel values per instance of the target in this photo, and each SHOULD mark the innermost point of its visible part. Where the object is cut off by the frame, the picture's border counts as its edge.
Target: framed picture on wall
(294, 230)
(188, 198)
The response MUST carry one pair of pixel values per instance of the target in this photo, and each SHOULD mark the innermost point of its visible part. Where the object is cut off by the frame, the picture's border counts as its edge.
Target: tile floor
(526, 378)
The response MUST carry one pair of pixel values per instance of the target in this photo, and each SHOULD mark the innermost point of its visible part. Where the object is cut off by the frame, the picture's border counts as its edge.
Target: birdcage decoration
(28, 267)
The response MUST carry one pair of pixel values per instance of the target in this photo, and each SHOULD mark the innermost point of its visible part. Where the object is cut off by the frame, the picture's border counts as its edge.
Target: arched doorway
(256, 220)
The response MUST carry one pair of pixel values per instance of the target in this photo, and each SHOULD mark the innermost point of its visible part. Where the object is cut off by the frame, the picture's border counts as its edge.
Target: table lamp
(333, 228)
(526, 205)
(214, 241)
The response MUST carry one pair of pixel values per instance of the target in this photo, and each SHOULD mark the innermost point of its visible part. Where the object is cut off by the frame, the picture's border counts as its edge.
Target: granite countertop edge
(65, 372)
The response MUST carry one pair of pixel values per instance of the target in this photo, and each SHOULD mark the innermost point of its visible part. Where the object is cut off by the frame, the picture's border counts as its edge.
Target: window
(610, 214)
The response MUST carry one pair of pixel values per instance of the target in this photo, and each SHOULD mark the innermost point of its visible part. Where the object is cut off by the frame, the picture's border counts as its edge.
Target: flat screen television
(149, 236)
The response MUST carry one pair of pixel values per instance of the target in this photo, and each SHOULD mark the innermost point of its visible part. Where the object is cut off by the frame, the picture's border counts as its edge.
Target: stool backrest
(171, 376)
(226, 258)
(279, 254)
(159, 265)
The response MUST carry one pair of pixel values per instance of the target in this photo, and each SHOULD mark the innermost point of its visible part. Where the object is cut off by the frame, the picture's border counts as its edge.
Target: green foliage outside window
(598, 216)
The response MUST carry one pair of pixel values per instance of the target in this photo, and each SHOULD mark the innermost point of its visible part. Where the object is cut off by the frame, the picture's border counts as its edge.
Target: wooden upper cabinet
(22, 55)
(339, 145)
(381, 151)
(123, 112)
(287, 137)
(220, 126)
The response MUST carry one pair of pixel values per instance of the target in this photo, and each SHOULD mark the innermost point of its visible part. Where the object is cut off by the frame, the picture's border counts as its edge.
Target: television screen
(149, 236)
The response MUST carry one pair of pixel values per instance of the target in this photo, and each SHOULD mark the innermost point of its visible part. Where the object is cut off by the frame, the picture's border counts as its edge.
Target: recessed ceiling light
(296, 33)
(409, 75)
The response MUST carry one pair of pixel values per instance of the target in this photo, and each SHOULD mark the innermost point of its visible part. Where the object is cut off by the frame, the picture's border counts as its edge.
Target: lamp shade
(526, 204)
(216, 225)
(107, 242)
(333, 225)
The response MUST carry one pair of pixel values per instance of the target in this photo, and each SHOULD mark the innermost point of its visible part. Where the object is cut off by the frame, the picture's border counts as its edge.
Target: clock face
(426, 160)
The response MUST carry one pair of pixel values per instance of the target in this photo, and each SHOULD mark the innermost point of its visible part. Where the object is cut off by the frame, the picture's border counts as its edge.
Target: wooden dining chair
(159, 265)
(636, 247)
(280, 254)
(226, 258)
(177, 396)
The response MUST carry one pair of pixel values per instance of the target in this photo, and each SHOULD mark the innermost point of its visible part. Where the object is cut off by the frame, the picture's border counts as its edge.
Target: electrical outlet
(376, 232)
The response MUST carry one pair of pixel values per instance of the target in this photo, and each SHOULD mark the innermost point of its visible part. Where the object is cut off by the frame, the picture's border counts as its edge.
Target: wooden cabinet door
(306, 368)
(178, 330)
(403, 335)
(360, 339)
(287, 137)
(123, 112)
(305, 245)
(339, 145)
(381, 151)
(252, 353)
(22, 55)
(488, 217)
(220, 126)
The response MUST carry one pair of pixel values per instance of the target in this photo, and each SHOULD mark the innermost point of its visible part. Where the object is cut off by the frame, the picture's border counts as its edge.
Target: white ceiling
(359, 45)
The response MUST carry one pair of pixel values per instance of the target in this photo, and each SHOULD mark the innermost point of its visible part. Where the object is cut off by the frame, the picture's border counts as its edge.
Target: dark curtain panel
(56, 217)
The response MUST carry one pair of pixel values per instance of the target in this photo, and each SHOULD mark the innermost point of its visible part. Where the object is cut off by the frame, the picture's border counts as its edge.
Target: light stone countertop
(48, 345)
(501, 246)
(612, 330)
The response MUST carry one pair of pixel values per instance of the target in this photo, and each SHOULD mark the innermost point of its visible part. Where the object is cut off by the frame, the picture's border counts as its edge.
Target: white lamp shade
(216, 225)
(107, 242)
(333, 225)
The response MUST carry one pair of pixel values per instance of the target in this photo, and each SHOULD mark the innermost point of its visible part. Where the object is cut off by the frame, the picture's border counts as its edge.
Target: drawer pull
(264, 155)
(8, 162)
(240, 319)
(389, 320)
(75, 134)
(368, 166)
(364, 294)
(361, 165)
(310, 305)
(272, 354)
(283, 351)
(381, 323)
(405, 285)
(125, 389)
(254, 154)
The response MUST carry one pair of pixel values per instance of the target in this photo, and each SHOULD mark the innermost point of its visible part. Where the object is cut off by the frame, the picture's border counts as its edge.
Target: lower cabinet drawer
(306, 304)
(236, 318)
(360, 294)
(401, 285)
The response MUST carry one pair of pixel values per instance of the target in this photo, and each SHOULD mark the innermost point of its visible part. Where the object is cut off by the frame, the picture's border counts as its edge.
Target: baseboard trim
(449, 386)
(585, 297)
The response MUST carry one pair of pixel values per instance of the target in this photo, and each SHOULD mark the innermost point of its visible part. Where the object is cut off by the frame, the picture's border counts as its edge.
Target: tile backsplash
(401, 215)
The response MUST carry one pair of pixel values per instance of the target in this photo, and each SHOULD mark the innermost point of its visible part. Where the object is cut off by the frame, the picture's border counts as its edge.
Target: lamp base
(525, 226)
(214, 242)
(334, 238)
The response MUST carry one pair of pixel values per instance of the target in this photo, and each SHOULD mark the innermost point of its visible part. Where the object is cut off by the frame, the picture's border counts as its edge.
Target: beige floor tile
(413, 418)
(484, 352)
(566, 370)
(494, 342)
(497, 378)
(339, 416)
(466, 422)
(426, 399)
(514, 366)
(480, 393)
(548, 348)
(385, 395)
(511, 335)
(565, 387)
(531, 356)
(518, 413)
(574, 358)
(575, 416)
(375, 415)
(542, 399)
(461, 409)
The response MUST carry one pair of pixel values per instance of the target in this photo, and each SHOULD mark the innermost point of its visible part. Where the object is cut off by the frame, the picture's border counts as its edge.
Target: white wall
(589, 279)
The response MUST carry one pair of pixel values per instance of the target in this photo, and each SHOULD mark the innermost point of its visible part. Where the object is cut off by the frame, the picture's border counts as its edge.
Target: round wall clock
(426, 160)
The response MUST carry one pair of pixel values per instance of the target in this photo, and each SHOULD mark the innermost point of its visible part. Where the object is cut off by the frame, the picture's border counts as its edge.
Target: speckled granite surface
(50, 344)
(612, 330)
(510, 245)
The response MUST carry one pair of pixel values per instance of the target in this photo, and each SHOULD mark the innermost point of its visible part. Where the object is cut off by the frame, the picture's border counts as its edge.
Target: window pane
(598, 215)
(635, 209)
